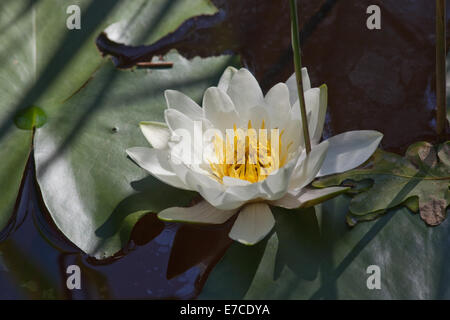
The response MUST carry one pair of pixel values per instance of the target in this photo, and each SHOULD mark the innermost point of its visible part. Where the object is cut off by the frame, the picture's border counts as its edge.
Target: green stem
(441, 120)
(298, 73)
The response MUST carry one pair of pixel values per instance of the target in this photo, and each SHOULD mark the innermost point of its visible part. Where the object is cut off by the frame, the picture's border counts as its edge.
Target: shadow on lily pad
(299, 249)
(151, 197)
(298, 229)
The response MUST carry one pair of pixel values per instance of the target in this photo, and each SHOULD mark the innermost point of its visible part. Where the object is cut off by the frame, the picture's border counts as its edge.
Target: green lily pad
(94, 193)
(315, 255)
(420, 180)
(15, 144)
(31, 118)
(43, 63)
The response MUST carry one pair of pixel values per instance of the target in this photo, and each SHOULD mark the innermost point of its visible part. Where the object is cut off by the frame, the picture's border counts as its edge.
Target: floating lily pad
(16, 65)
(317, 256)
(31, 118)
(94, 193)
(419, 180)
(43, 63)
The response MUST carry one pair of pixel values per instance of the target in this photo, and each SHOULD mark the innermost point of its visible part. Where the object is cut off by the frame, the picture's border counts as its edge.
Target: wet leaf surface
(52, 62)
(325, 259)
(43, 64)
(338, 51)
(82, 152)
(34, 257)
(421, 179)
(30, 118)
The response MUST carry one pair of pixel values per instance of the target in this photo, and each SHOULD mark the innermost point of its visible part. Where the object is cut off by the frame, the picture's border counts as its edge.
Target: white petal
(179, 101)
(193, 178)
(308, 197)
(292, 85)
(187, 139)
(292, 136)
(306, 170)
(316, 100)
(312, 101)
(233, 182)
(279, 105)
(276, 184)
(177, 120)
(244, 193)
(232, 197)
(296, 113)
(211, 190)
(349, 150)
(273, 187)
(257, 114)
(245, 92)
(253, 223)
(226, 200)
(232, 194)
(224, 81)
(217, 194)
(157, 163)
(240, 194)
(202, 212)
(278, 98)
(219, 109)
(203, 183)
(316, 134)
(156, 133)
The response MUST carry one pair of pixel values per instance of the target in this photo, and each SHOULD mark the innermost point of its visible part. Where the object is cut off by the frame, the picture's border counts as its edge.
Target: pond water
(382, 80)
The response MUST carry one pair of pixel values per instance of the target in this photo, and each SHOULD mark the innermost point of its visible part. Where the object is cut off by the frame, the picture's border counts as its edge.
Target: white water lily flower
(247, 188)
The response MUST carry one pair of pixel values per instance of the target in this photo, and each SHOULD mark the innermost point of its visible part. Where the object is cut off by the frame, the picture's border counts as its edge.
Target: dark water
(162, 260)
(381, 80)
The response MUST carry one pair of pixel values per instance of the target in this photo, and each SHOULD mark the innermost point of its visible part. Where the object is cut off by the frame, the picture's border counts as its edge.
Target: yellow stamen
(254, 158)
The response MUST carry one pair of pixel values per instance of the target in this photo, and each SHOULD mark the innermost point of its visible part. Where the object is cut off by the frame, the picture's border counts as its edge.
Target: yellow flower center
(252, 156)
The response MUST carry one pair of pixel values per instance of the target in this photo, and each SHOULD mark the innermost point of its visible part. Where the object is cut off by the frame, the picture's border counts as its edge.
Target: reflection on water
(379, 80)
(162, 260)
